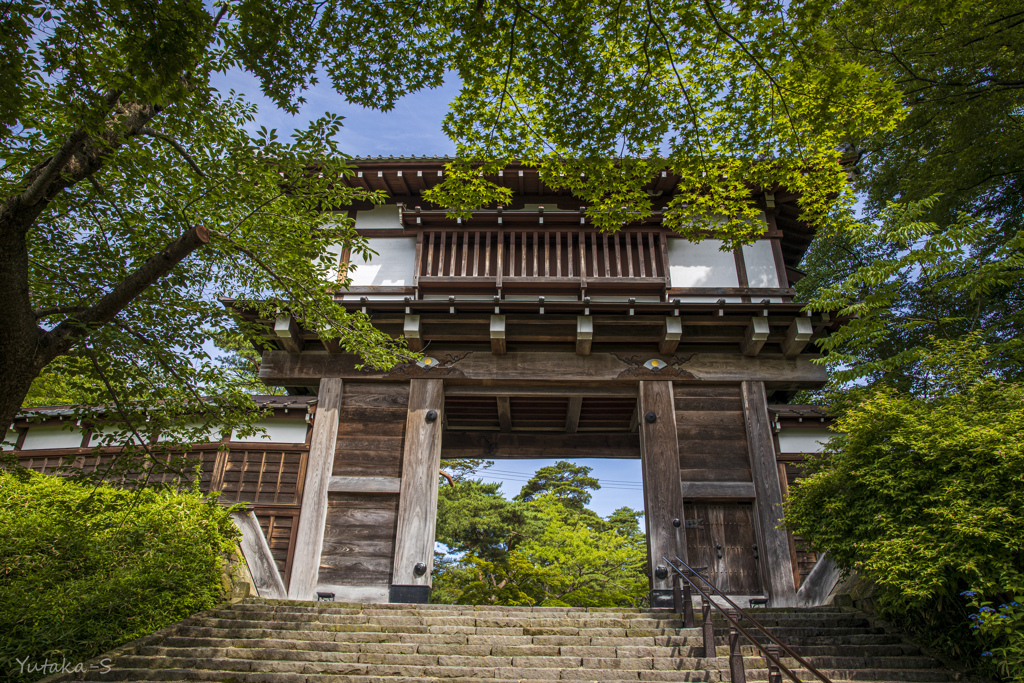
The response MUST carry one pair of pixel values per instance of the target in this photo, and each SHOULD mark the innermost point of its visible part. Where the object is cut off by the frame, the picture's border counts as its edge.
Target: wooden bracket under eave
(584, 334)
(672, 332)
(413, 333)
(287, 331)
(797, 337)
(498, 334)
(755, 336)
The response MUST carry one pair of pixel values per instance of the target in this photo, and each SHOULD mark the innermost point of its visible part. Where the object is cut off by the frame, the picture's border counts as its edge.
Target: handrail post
(687, 606)
(774, 674)
(677, 601)
(709, 629)
(736, 672)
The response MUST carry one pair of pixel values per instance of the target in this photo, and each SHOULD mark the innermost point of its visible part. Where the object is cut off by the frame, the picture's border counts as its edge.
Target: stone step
(261, 641)
(873, 674)
(537, 620)
(283, 649)
(396, 676)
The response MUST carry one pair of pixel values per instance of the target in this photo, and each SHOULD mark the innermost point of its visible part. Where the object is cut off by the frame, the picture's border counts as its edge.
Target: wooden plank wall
(359, 538)
(712, 435)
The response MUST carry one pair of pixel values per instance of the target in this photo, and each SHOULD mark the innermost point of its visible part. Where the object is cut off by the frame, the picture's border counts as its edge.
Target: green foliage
(1003, 626)
(86, 568)
(568, 482)
(474, 517)
(957, 65)
(544, 548)
(924, 495)
(916, 280)
(568, 562)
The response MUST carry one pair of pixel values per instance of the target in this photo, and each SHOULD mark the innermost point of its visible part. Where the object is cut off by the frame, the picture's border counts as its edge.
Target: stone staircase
(277, 641)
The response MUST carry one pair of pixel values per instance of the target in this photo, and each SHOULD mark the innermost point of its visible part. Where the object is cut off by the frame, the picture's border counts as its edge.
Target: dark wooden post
(417, 499)
(677, 594)
(736, 671)
(776, 560)
(663, 497)
(708, 629)
(309, 538)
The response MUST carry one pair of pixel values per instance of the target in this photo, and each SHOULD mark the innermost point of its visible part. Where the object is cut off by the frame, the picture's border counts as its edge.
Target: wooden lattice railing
(573, 258)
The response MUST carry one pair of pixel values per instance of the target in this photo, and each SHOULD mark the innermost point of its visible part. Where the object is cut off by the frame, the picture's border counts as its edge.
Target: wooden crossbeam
(499, 446)
(288, 369)
(287, 331)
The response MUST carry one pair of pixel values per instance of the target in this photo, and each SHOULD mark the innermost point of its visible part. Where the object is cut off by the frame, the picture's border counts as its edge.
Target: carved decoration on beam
(755, 336)
(797, 337)
(638, 367)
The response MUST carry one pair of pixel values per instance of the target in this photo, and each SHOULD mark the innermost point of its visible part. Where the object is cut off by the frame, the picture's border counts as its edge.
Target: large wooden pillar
(309, 538)
(417, 500)
(663, 497)
(776, 560)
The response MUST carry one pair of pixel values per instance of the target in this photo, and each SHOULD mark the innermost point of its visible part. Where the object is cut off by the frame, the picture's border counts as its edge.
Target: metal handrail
(735, 623)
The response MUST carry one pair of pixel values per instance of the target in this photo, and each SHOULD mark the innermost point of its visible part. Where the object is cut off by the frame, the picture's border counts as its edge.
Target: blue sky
(620, 480)
(413, 127)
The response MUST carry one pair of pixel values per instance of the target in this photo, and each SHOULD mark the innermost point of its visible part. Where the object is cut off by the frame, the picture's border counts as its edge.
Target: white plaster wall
(803, 440)
(379, 217)
(760, 263)
(393, 266)
(278, 431)
(51, 436)
(700, 265)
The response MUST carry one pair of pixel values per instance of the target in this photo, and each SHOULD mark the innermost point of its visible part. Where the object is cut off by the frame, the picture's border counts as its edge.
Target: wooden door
(720, 536)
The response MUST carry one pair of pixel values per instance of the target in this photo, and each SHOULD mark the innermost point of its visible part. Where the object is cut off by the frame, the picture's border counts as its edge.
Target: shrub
(86, 568)
(924, 496)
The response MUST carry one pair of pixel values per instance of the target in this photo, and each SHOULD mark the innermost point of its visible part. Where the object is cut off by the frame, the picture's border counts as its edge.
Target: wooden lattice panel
(279, 527)
(266, 475)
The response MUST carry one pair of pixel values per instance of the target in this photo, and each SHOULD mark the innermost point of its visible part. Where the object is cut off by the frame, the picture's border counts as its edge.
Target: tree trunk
(19, 333)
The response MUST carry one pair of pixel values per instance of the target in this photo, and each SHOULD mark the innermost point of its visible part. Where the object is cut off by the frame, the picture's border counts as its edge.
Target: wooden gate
(720, 536)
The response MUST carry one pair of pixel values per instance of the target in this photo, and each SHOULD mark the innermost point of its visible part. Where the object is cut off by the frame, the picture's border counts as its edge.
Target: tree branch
(146, 130)
(35, 191)
(60, 338)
